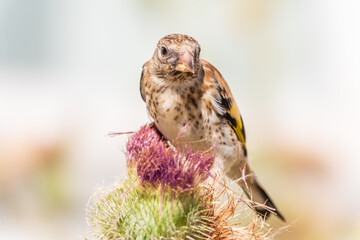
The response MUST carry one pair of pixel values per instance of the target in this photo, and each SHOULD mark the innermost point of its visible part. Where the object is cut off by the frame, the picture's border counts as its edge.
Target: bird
(186, 94)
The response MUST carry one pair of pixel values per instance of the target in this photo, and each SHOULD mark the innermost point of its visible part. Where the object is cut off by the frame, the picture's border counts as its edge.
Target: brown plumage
(180, 89)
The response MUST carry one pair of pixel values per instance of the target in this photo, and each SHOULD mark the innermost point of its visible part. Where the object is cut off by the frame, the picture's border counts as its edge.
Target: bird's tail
(262, 203)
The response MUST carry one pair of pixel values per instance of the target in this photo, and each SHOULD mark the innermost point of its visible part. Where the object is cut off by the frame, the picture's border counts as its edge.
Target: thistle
(169, 194)
(155, 163)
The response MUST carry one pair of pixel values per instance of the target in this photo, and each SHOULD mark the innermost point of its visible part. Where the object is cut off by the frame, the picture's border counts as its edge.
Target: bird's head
(177, 54)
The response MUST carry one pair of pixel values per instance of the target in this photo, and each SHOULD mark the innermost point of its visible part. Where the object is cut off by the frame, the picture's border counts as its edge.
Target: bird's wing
(224, 102)
(143, 76)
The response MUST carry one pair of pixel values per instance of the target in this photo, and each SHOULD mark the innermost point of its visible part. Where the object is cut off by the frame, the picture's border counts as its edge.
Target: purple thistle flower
(156, 163)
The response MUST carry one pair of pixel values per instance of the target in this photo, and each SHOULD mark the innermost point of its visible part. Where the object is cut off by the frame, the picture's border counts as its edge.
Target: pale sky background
(69, 75)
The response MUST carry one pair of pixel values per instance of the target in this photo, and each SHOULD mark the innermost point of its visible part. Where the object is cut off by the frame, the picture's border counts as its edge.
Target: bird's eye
(164, 51)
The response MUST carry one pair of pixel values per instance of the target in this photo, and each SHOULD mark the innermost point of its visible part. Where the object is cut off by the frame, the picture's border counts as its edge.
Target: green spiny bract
(128, 212)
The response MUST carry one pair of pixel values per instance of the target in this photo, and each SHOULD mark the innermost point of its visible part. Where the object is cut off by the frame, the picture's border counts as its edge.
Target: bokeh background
(69, 75)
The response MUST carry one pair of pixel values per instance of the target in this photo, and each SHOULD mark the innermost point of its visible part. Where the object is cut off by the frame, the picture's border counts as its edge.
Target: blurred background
(69, 75)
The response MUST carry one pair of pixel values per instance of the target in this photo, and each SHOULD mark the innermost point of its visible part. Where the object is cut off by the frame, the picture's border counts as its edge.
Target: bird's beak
(185, 62)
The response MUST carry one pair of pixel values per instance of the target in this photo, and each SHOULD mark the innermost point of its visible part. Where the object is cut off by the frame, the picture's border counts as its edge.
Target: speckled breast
(177, 114)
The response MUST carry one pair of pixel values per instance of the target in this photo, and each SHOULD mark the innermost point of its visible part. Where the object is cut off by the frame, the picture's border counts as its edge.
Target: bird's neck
(182, 79)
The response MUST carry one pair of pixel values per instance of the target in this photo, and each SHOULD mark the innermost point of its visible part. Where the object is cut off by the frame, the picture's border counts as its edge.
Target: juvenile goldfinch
(179, 90)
